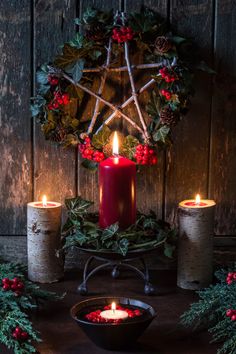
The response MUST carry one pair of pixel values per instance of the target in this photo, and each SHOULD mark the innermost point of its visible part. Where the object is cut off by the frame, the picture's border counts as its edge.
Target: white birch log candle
(195, 247)
(43, 241)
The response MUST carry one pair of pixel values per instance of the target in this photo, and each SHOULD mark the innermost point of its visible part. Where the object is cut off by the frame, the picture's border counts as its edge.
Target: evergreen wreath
(65, 84)
(18, 296)
(81, 230)
(216, 310)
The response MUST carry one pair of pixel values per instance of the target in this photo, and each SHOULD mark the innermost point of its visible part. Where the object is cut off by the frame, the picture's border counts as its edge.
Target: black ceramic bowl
(109, 335)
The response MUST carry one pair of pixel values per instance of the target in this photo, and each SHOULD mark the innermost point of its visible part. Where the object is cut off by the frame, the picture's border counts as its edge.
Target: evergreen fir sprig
(215, 311)
(16, 329)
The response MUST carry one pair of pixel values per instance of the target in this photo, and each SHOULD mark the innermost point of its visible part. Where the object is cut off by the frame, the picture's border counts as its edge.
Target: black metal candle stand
(115, 262)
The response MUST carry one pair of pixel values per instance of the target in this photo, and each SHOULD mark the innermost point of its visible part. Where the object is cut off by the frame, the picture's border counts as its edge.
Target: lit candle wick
(44, 201)
(115, 145)
(197, 199)
(113, 307)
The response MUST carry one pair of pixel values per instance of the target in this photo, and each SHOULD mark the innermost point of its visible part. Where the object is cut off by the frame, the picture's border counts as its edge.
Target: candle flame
(198, 199)
(115, 145)
(44, 200)
(113, 307)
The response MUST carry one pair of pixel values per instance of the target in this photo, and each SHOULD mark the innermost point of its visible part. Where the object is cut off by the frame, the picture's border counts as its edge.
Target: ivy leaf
(77, 206)
(109, 231)
(204, 67)
(154, 105)
(129, 146)
(68, 57)
(101, 138)
(89, 15)
(150, 223)
(36, 106)
(123, 246)
(178, 40)
(143, 21)
(77, 21)
(95, 54)
(161, 133)
(42, 75)
(76, 70)
(77, 41)
(168, 250)
(89, 164)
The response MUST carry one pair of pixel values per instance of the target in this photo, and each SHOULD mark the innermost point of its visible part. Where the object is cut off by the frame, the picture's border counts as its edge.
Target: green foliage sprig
(81, 229)
(211, 312)
(15, 309)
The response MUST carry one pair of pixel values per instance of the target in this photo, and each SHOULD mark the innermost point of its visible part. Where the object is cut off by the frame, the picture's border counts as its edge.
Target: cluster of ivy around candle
(81, 230)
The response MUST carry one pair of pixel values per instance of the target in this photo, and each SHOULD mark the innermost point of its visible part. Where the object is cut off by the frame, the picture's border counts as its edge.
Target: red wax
(45, 206)
(195, 204)
(117, 192)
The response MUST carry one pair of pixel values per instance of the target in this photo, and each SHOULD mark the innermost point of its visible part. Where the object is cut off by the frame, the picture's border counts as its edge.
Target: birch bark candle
(43, 240)
(195, 249)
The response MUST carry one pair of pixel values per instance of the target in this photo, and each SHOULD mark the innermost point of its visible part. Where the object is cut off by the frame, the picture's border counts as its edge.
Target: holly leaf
(161, 133)
(76, 70)
(89, 164)
(77, 41)
(168, 250)
(129, 146)
(101, 138)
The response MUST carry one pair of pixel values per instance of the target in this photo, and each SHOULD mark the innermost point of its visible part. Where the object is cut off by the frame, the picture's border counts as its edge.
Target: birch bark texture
(43, 241)
(195, 245)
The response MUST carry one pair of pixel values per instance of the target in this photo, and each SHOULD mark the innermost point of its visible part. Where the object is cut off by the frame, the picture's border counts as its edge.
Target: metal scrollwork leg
(148, 287)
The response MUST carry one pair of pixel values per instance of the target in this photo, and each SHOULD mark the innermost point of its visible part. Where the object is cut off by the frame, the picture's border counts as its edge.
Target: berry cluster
(232, 314)
(168, 74)
(53, 80)
(123, 34)
(19, 334)
(145, 155)
(15, 285)
(88, 152)
(59, 100)
(167, 94)
(231, 276)
(95, 316)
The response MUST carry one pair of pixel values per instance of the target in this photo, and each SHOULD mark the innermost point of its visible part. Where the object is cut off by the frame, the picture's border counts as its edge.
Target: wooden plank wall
(202, 158)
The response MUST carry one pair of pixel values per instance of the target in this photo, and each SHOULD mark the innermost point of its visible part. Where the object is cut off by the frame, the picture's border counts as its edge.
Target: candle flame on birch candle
(44, 201)
(198, 199)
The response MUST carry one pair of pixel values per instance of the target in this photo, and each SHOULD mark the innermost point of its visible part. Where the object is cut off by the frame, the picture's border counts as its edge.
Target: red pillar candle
(117, 190)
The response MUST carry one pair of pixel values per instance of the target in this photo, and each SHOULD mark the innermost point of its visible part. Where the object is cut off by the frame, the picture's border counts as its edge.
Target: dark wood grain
(187, 159)
(15, 125)
(55, 167)
(222, 170)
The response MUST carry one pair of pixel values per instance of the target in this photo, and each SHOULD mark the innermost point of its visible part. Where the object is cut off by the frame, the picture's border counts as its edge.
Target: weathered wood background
(202, 159)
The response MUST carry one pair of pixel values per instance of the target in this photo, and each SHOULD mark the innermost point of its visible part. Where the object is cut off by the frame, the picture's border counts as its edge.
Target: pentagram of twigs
(117, 109)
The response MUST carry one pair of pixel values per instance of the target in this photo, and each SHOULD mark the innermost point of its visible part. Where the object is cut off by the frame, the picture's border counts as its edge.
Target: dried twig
(102, 84)
(126, 103)
(134, 93)
(122, 68)
(117, 110)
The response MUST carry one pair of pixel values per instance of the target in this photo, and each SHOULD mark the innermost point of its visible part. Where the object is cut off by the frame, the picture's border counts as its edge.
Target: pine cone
(162, 44)
(95, 33)
(58, 135)
(169, 117)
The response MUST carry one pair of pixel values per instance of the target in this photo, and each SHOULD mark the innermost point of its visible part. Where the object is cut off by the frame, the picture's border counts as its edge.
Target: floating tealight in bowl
(113, 322)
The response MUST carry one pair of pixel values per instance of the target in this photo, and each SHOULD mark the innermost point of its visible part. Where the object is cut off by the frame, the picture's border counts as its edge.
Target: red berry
(5, 280)
(24, 335)
(65, 98)
(6, 287)
(53, 80)
(55, 105)
(229, 313)
(229, 282)
(234, 276)
(168, 95)
(233, 318)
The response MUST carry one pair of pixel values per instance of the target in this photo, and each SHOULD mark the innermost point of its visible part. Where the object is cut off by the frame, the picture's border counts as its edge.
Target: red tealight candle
(117, 190)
